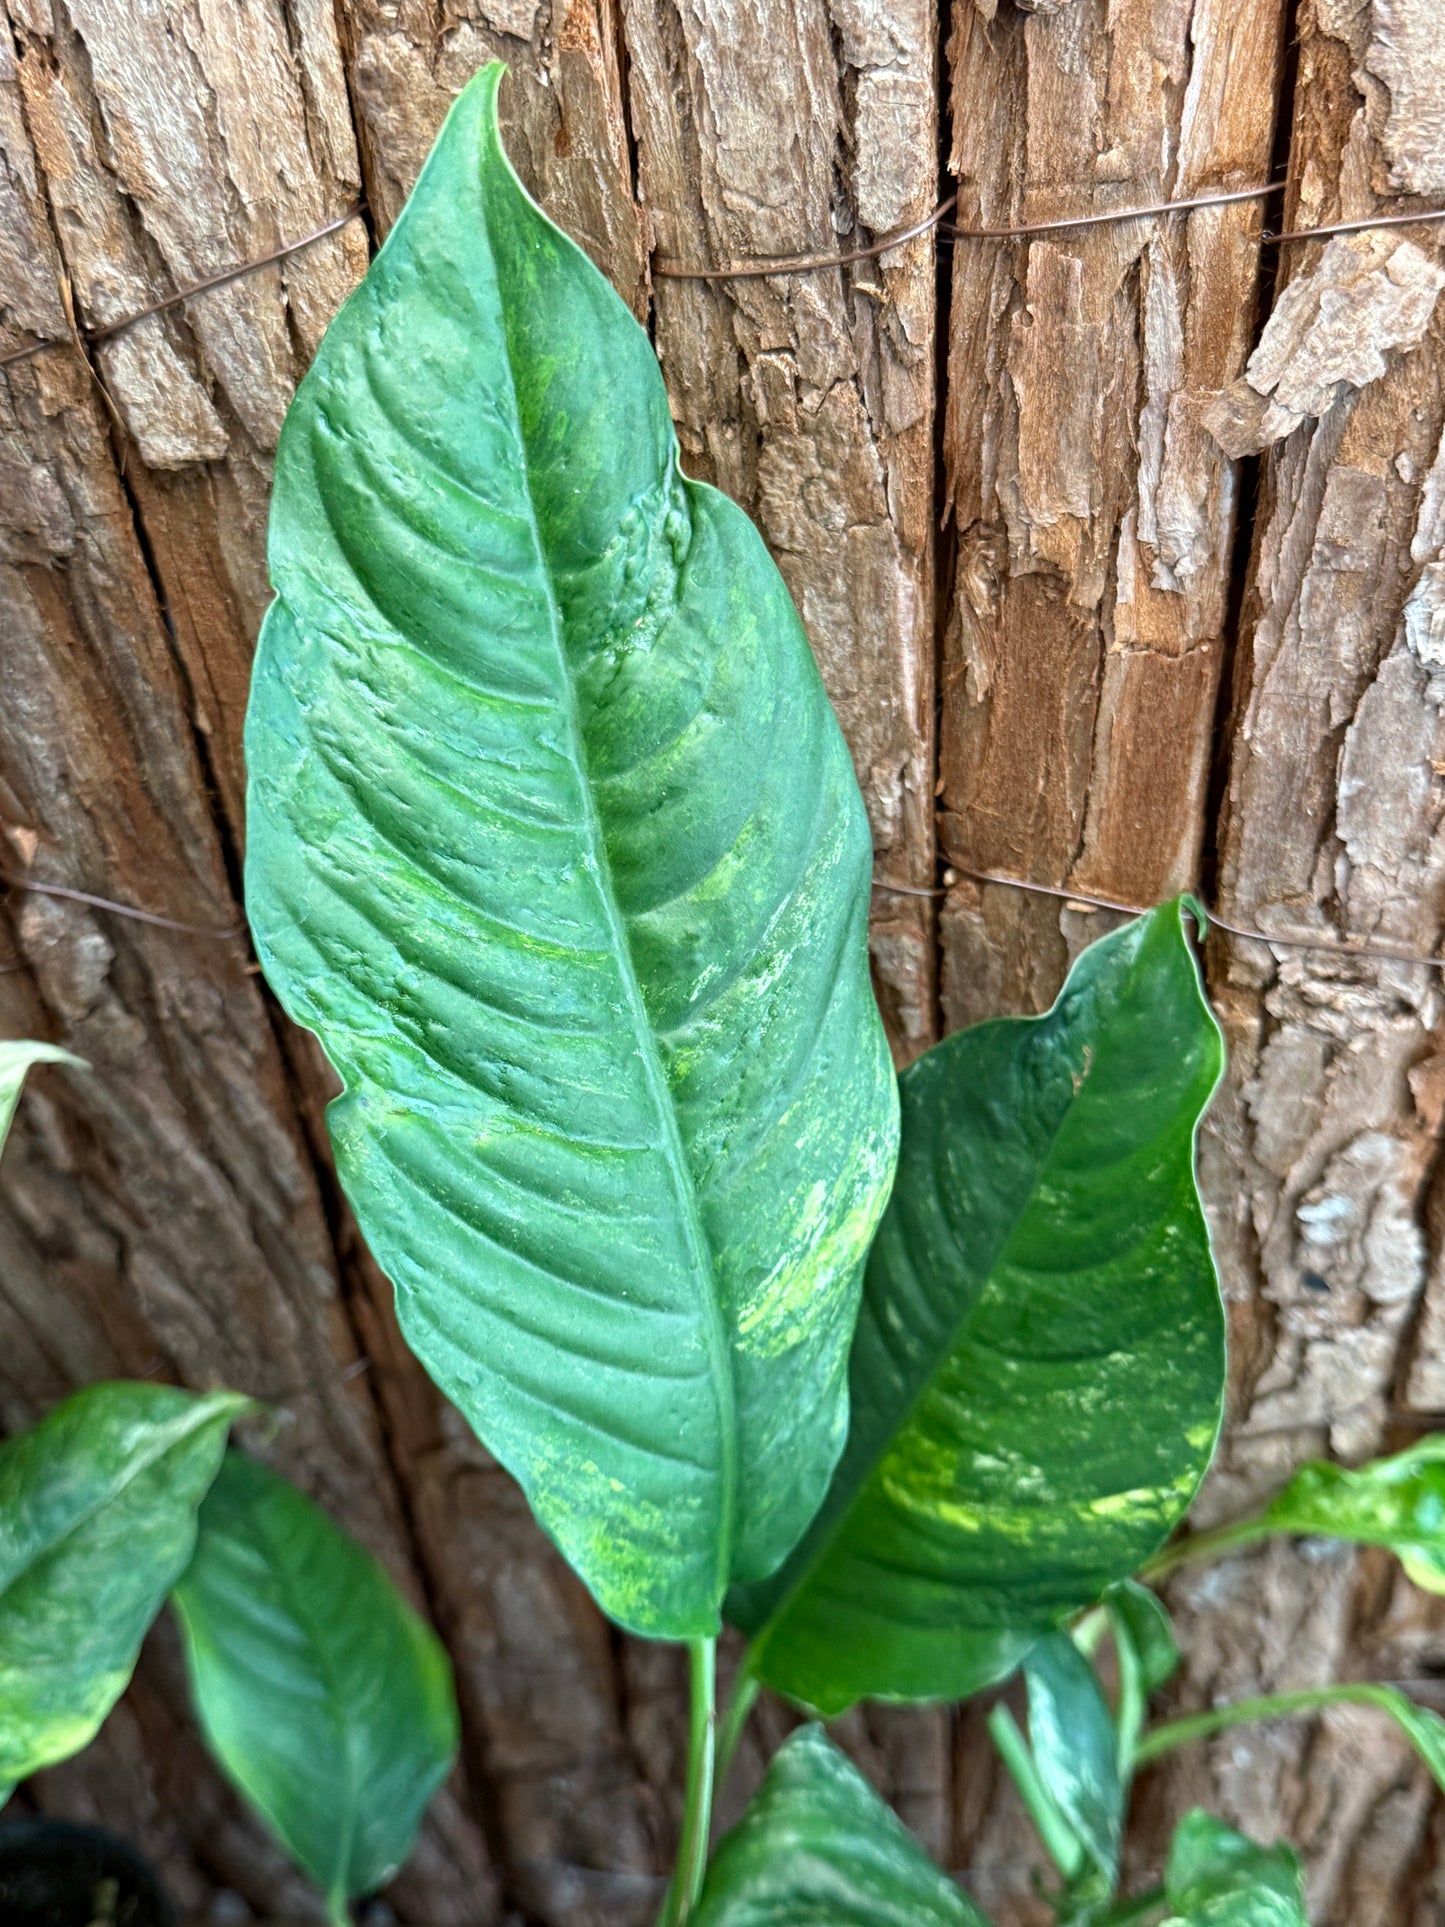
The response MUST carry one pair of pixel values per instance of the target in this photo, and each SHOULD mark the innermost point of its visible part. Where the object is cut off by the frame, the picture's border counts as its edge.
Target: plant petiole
(1205, 1545)
(1269, 1706)
(1060, 1841)
(744, 1698)
(687, 1875)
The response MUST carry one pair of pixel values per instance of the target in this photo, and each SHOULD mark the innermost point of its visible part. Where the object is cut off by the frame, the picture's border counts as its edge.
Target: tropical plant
(324, 1698)
(555, 844)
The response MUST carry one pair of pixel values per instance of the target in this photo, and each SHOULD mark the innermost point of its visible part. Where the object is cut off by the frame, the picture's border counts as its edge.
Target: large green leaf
(818, 1848)
(1398, 1503)
(555, 843)
(1038, 1374)
(1218, 1878)
(16, 1057)
(1074, 1747)
(324, 1697)
(97, 1521)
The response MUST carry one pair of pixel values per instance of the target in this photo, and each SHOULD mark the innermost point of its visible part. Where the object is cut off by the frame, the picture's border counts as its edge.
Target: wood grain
(1103, 402)
(1094, 512)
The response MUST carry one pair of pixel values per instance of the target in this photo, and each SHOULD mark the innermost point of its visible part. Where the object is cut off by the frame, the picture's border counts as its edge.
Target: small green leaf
(1074, 1747)
(818, 1848)
(1218, 1878)
(15, 1060)
(1140, 1617)
(555, 843)
(1038, 1376)
(1398, 1503)
(321, 1693)
(97, 1522)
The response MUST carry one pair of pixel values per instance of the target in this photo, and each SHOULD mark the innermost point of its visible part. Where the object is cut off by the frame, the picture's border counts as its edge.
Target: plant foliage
(1038, 1374)
(323, 1696)
(97, 1522)
(555, 843)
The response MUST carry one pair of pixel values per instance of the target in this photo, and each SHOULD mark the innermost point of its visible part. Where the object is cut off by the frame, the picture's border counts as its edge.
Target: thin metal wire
(1111, 216)
(14, 882)
(1375, 952)
(779, 264)
(802, 263)
(222, 280)
(1354, 227)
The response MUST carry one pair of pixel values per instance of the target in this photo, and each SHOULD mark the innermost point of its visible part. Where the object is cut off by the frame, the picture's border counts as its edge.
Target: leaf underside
(818, 1848)
(97, 1522)
(322, 1695)
(1038, 1375)
(555, 843)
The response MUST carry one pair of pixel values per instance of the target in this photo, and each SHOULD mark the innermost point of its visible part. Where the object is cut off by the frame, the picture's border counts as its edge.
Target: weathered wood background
(1123, 553)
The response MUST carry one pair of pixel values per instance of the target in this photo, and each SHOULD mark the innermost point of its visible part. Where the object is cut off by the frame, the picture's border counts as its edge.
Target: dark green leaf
(323, 1696)
(1140, 1620)
(1398, 1503)
(1218, 1878)
(97, 1521)
(818, 1848)
(1074, 1746)
(15, 1060)
(1039, 1369)
(555, 843)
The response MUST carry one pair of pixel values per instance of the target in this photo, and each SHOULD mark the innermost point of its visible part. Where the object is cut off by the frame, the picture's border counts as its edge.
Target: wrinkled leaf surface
(324, 1697)
(1038, 1374)
(555, 843)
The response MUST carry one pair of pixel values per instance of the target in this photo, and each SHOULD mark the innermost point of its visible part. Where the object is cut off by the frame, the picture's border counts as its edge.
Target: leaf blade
(1074, 1747)
(818, 1848)
(1219, 1878)
(322, 1695)
(1042, 1268)
(556, 845)
(1398, 1503)
(97, 1522)
(16, 1058)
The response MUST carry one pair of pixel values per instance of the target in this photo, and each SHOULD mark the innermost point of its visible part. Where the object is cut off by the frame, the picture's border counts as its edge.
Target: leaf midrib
(946, 1349)
(678, 1168)
(339, 1700)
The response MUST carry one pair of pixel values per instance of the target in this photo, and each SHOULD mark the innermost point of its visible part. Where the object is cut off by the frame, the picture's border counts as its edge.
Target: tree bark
(1099, 422)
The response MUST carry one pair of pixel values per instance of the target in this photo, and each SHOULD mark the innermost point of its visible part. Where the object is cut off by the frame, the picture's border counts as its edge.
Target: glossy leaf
(1398, 1503)
(818, 1848)
(1218, 1878)
(1074, 1747)
(323, 1696)
(1141, 1621)
(1038, 1374)
(555, 843)
(16, 1057)
(97, 1522)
